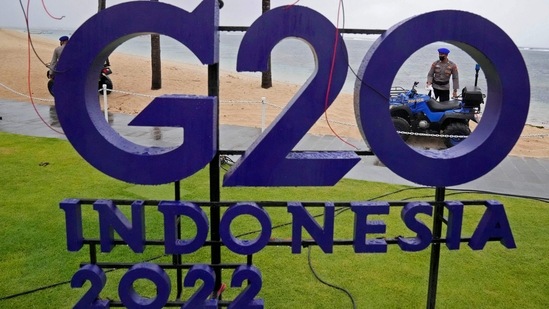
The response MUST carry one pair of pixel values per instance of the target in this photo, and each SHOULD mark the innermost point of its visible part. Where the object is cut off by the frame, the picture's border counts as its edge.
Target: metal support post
(435, 247)
(215, 192)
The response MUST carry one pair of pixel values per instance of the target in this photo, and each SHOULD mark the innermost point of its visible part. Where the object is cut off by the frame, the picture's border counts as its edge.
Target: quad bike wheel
(107, 81)
(401, 125)
(50, 87)
(104, 80)
(455, 128)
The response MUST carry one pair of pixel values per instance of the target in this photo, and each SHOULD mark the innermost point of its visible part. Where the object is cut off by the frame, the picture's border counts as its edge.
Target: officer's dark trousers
(442, 95)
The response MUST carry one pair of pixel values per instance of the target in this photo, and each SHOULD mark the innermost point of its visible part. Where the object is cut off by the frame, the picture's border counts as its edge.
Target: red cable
(330, 79)
(221, 290)
(47, 12)
(29, 72)
(331, 73)
(290, 5)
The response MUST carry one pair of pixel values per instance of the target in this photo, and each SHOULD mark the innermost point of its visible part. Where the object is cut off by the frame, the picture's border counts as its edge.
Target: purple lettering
(424, 235)
(111, 219)
(493, 224)
(73, 223)
(364, 226)
(302, 218)
(245, 247)
(171, 211)
(455, 221)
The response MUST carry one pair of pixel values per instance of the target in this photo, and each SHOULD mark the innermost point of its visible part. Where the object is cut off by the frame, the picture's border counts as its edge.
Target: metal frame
(215, 243)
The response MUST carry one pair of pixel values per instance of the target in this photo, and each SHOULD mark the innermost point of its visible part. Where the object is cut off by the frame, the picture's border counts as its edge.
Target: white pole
(105, 103)
(263, 111)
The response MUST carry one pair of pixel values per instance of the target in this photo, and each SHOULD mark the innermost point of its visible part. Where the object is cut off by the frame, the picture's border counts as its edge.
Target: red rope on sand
(29, 71)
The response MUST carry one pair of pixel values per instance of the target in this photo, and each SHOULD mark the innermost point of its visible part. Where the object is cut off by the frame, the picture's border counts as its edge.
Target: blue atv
(420, 113)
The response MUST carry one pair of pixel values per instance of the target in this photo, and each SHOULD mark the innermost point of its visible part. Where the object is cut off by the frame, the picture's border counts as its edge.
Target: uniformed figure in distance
(56, 54)
(439, 76)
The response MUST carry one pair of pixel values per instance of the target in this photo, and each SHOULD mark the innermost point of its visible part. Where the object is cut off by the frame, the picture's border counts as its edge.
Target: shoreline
(240, 93)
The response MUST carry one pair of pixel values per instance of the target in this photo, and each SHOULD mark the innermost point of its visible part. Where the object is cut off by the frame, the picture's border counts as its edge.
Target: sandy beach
(240, 94)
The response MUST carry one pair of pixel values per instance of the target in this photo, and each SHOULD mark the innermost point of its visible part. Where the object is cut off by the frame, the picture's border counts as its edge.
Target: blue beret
(444, 51)
(64, 38)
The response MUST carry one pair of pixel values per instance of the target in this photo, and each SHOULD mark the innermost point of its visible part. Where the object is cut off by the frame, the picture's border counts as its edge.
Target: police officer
(439, 76)
(57, 53)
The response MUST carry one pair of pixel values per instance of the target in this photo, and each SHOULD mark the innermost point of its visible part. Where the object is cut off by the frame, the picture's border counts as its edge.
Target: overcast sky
(525, 21)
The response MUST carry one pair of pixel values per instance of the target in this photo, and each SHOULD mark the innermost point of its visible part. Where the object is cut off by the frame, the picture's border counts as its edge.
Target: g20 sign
(80, 116)
(82, 122)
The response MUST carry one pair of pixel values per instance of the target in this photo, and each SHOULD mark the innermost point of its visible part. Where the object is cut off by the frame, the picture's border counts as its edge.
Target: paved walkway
(515, 175)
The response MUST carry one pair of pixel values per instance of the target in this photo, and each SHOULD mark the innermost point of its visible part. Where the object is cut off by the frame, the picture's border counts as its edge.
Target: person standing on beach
(56, 54)
(439, 76)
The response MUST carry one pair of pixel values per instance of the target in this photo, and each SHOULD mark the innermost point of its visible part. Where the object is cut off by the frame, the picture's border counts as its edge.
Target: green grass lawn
(38, 173)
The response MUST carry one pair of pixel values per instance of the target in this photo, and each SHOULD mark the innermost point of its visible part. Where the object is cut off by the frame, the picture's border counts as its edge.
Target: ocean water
(293, 61)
